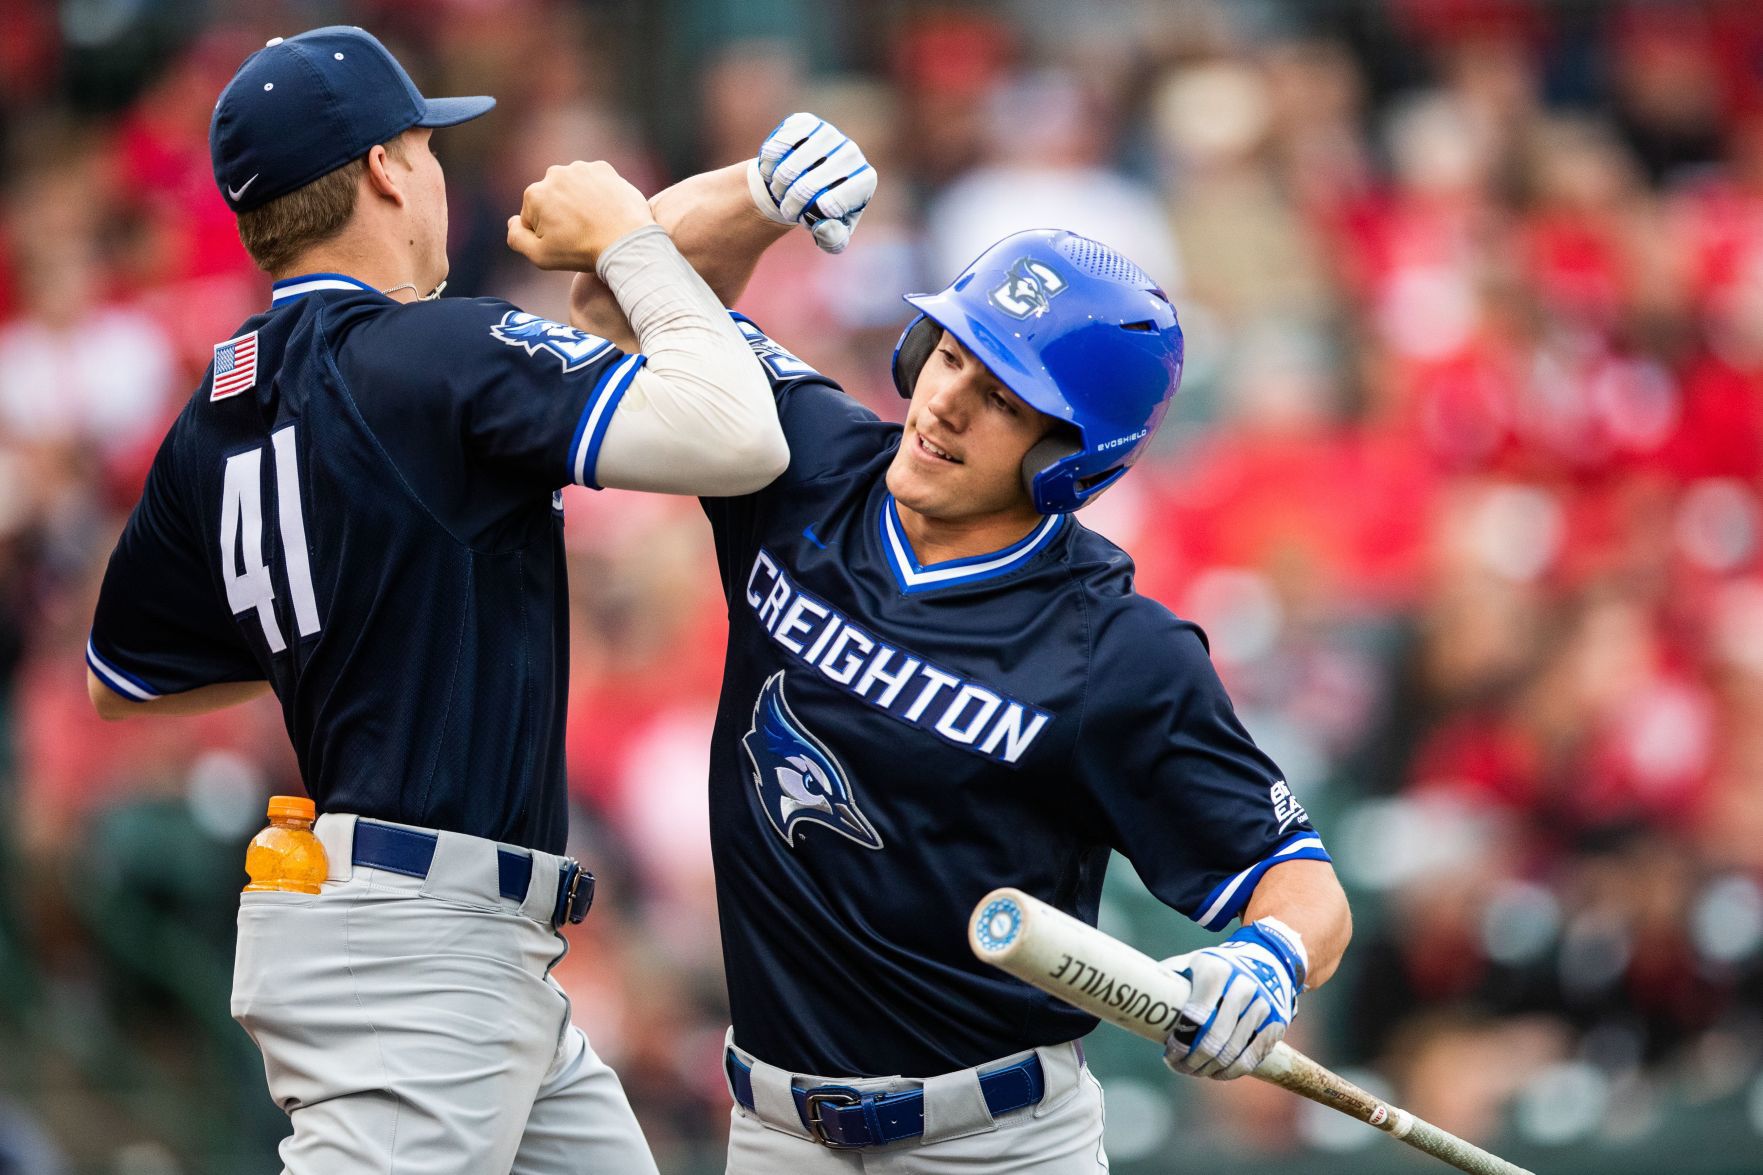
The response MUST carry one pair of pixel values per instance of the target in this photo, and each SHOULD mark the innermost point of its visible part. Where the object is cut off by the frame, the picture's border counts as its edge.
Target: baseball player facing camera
(360, 510)
(939, 682)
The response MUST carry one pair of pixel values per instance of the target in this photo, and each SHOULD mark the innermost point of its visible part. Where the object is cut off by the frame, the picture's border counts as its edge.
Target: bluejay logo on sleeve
(573, 348)
(774, 355)
(1029, 289)
(797, 778)
(1286, 808)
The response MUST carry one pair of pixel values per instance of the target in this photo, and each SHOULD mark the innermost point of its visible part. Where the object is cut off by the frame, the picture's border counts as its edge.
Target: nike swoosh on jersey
(235, 193)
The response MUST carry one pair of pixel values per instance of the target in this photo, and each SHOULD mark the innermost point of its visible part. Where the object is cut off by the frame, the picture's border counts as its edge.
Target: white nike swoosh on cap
(235, 193)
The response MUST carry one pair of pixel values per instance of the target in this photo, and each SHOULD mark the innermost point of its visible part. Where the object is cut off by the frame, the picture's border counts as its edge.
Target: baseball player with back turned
(939, 682)
(360, 509)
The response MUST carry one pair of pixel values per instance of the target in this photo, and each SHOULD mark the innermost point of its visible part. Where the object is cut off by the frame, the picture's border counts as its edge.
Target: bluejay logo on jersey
(797, 778)
(573, 348)
(1028, 290)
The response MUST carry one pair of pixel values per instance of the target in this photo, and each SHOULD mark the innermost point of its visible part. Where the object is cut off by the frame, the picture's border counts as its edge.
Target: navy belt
(410, 851)
(841, 1117)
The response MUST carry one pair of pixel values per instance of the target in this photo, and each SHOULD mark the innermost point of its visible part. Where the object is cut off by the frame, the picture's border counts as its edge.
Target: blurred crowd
(1465, 481)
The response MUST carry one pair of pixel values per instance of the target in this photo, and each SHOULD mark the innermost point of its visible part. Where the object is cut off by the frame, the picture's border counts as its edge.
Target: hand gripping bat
(1108, 979)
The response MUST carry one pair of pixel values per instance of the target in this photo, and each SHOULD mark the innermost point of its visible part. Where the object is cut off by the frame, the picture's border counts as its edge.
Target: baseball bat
(1110, 980)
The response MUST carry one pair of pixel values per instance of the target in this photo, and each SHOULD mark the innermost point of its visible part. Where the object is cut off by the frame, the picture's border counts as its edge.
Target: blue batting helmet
(1076, 330)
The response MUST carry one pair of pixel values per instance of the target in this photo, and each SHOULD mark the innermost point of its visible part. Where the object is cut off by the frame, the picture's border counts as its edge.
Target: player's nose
(951, 402)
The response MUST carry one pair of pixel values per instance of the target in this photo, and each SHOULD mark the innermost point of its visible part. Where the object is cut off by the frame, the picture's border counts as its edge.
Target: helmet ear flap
(1045, 453)
(915, 345)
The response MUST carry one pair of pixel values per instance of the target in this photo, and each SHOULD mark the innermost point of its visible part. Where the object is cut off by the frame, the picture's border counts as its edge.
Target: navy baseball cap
(303, 106)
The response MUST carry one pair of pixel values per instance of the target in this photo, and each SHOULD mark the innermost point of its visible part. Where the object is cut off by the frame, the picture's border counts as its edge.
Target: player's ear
(381, 180)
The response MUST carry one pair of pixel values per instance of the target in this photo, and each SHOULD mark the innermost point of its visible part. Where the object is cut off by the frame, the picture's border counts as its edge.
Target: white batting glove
(809, 173)
(1245, 991)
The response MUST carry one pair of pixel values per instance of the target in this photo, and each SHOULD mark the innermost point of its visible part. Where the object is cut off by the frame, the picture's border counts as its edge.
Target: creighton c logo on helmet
(1029, 289)
(796, 777)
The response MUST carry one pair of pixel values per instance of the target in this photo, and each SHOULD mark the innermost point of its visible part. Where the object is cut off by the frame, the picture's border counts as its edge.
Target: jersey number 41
(248, 584)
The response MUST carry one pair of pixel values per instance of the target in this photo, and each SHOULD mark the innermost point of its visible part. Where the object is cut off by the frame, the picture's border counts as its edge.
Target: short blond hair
(279, 231)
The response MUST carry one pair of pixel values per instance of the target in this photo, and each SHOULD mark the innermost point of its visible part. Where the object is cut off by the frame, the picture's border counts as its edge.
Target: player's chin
(914, 487)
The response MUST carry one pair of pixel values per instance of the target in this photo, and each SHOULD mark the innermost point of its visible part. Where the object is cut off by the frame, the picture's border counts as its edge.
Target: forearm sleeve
(699, 417)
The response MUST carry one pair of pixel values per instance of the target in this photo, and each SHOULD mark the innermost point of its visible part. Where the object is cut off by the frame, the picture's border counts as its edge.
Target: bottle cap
(295, 807)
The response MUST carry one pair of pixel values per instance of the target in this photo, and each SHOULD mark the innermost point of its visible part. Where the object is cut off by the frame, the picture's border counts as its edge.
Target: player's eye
(999, 401)
(949, 359)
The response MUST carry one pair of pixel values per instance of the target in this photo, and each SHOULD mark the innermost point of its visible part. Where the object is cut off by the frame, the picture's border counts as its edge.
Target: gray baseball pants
(411, 1025)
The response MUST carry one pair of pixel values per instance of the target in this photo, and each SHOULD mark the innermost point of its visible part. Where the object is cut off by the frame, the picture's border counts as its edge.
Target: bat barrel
(1072, 960)
(1107, 978)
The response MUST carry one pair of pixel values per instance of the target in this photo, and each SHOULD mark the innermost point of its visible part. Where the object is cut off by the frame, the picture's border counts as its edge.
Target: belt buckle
(575, 893)
(811, 1104)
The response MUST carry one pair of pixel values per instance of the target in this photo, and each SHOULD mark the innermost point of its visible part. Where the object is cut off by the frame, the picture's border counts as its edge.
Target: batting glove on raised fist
(1244, 993)
(810, 173)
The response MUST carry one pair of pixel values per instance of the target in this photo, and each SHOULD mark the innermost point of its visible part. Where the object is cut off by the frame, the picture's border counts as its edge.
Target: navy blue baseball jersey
(362, 505)
(895, 740)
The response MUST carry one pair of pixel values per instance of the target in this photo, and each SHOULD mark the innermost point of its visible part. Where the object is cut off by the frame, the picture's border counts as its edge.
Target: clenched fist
(1245, 991)
(808, 172)
(574, 214)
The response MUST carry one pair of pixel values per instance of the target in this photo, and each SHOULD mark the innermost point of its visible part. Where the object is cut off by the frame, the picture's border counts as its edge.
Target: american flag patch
(235, 366)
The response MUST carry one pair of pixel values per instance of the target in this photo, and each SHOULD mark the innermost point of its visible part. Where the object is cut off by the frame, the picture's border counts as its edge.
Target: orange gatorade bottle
(286, 856)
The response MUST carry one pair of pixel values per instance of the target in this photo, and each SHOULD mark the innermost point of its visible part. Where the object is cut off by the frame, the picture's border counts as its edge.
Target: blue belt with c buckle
(841, 1117)
(411, 852)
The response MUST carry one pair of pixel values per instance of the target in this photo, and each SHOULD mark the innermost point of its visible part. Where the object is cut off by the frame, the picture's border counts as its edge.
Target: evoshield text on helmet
(1080, 333)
